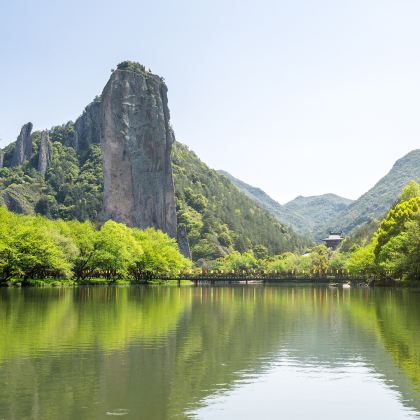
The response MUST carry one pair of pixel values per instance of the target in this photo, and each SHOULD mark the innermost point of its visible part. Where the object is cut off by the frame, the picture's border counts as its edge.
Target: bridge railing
(319, 275)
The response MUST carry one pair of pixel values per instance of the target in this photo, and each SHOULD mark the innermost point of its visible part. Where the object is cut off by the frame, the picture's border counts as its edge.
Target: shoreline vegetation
(37, 251)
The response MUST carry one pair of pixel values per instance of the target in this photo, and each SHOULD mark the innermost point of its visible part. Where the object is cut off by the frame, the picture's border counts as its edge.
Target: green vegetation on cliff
(217, 217)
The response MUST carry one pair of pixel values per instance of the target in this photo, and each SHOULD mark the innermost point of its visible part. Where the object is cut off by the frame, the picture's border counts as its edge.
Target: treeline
(34, 247)
(392, 251)
(316, 261)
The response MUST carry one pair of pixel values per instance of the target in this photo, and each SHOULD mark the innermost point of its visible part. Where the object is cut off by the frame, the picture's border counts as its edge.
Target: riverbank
(89, 282)
(52, 282)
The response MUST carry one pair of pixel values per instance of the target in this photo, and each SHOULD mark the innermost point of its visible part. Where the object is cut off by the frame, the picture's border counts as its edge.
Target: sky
(297, 97)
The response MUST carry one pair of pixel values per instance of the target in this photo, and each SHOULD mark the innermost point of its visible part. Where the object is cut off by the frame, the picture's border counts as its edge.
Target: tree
(362, 261)
(238, 262)
(403, 211)
(84, 236)
(160, 256)
(260, 251)
(30, 247)
(114, 250)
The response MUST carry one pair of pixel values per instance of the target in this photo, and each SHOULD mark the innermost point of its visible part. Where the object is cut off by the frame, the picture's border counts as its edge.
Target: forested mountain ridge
(318, 210)
(303, 214)
(315, 216)
(216, 217)
(379, 199)
(281, 213)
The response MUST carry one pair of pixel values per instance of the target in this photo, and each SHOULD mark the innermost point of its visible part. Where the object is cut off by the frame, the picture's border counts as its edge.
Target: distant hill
(315, 216)
(297, 222)
(377, 201)
(218, 217)
(318, 210)
(303, 214)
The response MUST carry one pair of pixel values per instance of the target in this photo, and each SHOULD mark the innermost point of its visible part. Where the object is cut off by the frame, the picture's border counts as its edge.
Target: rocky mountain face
(136, 141)
(87, 128)
(23, 148)
(131, 123)
(44, 152)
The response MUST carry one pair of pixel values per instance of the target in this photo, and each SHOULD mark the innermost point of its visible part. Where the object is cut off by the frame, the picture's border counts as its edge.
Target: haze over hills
(318, 209)
(303, 214)
(377, 201)
(315, 216)
(293, 219)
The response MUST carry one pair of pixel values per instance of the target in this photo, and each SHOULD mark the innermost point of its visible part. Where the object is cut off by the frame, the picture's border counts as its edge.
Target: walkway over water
(245, 278)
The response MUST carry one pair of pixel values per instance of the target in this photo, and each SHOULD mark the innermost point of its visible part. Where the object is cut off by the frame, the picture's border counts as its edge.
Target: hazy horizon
(295, 98)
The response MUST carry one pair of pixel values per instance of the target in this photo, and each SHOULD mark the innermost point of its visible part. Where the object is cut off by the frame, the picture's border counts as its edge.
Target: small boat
(333, 285)
(346, 285)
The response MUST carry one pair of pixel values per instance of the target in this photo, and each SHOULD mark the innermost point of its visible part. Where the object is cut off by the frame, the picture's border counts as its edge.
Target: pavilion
(333, 240)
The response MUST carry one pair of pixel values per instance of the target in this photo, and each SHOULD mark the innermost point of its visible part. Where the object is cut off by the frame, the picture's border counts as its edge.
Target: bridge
(260, 277)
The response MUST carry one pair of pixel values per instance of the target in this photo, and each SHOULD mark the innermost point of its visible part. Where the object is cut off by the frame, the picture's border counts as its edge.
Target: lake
(245, 352)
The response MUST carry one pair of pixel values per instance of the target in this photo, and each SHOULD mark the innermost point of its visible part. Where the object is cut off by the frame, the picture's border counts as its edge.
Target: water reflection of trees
(162, 350)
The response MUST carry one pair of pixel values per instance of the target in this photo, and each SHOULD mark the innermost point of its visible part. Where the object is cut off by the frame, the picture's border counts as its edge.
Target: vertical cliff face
(1, 158)
(87, 127)
(45, 153)
(131, 123)
(23, 147)
(136, 141)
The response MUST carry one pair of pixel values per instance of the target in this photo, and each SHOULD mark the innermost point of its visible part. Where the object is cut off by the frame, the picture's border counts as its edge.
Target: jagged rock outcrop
(23, 147)
(136, 142)
(1, 158)
(45, 153)
(87, 126)
(130, 120)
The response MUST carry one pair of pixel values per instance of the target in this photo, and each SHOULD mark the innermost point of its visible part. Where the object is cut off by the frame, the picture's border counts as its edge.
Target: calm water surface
(209, 353)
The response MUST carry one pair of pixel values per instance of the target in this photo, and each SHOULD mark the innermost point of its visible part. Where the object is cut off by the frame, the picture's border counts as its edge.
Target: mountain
(377, 201)
(318, 210)
(218, 216)
(119, 160)
(303, 214)
(315, 216)
(281, 213)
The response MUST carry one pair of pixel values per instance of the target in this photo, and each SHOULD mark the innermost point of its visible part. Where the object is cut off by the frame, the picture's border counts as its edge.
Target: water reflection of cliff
(77, 353)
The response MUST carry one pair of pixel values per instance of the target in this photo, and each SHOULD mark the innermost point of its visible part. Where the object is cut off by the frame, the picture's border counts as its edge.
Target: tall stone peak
(23, 147)
(136, 141)
(87, 126)
(131, 122)
(45, 152)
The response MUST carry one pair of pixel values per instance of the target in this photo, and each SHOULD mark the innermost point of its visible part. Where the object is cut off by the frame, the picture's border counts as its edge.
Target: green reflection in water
(159, 352)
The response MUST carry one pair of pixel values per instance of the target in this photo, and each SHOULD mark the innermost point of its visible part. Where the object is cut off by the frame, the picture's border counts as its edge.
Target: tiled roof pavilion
(333, 240)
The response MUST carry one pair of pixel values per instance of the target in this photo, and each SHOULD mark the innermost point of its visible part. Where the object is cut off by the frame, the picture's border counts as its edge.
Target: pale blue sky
(298, 97)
